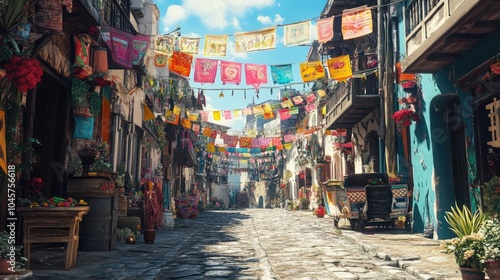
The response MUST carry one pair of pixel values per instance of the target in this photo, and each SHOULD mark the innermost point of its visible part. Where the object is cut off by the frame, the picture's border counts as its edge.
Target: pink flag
(205, 70)
(310, 107)
(284, 114)
(290, 137)
(276, 141)
(256, 74)
(227, 114)
(230, 72)
(297, 99)
(204, 116)
(325, 29)
(255, 143)
(310, 98)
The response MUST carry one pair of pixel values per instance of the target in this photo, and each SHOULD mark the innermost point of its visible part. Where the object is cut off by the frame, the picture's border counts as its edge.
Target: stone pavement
(412, 253)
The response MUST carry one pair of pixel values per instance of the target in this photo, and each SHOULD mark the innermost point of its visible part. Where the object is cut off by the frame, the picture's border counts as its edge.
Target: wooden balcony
(350, 103)
(113, 13)
(184, 151)
(439, 31)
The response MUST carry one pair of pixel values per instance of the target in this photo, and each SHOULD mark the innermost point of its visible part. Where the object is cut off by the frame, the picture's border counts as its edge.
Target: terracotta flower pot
(493, 269)
(5, 267)
(471, 273)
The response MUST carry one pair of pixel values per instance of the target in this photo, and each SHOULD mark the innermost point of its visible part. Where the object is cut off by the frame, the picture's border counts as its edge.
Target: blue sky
(198, 18)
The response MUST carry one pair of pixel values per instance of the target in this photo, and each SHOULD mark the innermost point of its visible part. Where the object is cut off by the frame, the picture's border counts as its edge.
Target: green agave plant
(11, 12)
(462, 222)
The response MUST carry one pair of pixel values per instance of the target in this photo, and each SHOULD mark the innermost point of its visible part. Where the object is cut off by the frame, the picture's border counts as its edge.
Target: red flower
(405, 117)
(24, 72)
(34, 186)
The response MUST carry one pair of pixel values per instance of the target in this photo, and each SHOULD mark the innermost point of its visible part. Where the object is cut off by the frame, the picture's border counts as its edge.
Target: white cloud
(173, 16)
(278, 19)
(216, 14)
(236, 23)
(265, 20)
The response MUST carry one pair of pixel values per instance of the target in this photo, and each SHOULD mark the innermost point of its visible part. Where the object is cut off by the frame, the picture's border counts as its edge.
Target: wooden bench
(52, 225)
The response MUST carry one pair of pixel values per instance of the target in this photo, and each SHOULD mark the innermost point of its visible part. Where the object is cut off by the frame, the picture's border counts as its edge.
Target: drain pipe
(381, 53)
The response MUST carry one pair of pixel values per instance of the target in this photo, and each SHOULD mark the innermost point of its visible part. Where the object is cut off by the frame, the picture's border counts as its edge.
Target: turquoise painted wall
(430, 142)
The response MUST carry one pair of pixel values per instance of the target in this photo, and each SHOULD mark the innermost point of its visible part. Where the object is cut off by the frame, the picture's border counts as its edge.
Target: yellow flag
(323, 111)
(217, 115)
(177, 109)
(340, 67)
(211, 147)
(148, 114)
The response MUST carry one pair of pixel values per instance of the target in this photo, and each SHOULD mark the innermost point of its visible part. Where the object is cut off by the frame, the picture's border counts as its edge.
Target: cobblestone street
(244, 244)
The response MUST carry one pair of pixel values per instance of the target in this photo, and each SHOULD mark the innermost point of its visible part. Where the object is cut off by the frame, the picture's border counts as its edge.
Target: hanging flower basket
(405, 117)
(408, 84)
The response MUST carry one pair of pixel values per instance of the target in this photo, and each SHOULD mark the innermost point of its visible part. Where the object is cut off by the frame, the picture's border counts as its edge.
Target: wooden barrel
(98, 227)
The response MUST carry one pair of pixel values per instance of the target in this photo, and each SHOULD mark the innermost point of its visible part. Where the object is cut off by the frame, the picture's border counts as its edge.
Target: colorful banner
(186, 123)
(340, 67)
(297, 100)
(205, 70)
(356, 22)
(311, 71)
(121, 47)
(245, 142)
(211, 147)
(282, 74)
(263, 39)
(247, 111)
(284, 114)
(297, 33)
(215, 45)
(148, 114)
(207, 131)
(268, 115)
(189, 45)
(310, 107)
(256, 74)
(325, 29)
(311, 98)
(164, 44)
(171, 118)
(227, 114)
(230, 72)
(140, 44)
(217, 115)
(180, 63)
(204, 116)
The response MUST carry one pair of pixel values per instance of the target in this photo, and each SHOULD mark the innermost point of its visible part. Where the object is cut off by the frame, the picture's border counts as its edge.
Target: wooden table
(56, 224)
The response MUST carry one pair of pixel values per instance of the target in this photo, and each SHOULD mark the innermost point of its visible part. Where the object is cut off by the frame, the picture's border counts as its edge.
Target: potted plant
(10, 254)
(405, 117)
(491, 195)
(153, 212)
(468, 246)
(490, 231)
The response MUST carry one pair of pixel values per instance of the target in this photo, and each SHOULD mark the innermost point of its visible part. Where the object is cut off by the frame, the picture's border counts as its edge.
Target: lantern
(99, 60)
